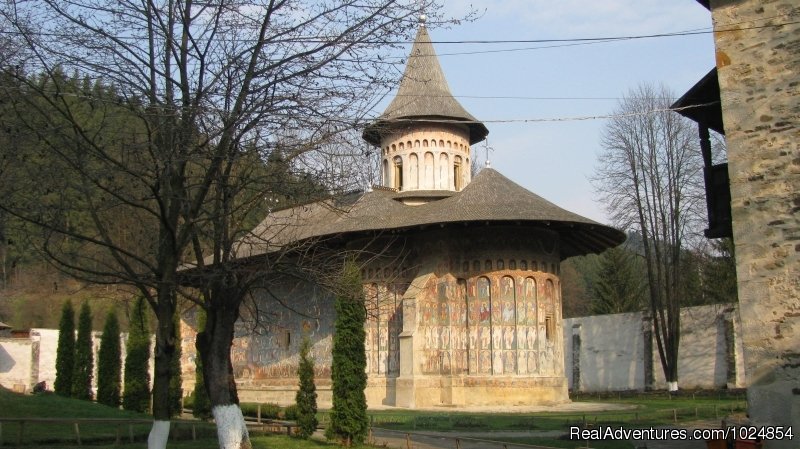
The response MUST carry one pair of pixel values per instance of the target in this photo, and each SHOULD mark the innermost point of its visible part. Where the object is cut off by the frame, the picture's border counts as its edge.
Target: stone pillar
(576, 357)
(647, 353)
(404, 390)
(759, 71)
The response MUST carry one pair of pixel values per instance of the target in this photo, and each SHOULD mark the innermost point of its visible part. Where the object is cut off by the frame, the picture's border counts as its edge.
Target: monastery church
(464, 295)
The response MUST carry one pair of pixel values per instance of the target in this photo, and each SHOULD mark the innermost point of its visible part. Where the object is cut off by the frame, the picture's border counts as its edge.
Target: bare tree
(190, 92)
(650, 178)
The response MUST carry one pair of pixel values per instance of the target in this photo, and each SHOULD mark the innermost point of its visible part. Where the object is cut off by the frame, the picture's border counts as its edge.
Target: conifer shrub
(136, 394)
(65, 353)
(349, 423)
(109, 365)
(83, 369)
(306, 398)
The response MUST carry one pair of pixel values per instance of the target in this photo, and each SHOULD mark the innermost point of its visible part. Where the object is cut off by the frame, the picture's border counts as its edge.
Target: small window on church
(286, 339)
(512, 264)
(523, 264)
(457, 173)
(549, 332)
(500, 264)
(398, 173)
(488, 265)
(476, 266)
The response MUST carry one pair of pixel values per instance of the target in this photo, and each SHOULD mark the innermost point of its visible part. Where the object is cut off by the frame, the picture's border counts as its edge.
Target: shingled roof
(423, 95)
(490, 199)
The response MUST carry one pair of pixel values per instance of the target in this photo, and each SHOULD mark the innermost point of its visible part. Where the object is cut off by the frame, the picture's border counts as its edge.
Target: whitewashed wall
(612, 351)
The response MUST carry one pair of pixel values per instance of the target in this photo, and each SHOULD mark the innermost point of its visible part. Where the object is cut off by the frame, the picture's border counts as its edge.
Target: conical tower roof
(424, 95)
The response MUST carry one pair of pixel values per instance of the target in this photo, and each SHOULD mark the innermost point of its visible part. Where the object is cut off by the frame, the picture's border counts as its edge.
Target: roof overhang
(702, 103)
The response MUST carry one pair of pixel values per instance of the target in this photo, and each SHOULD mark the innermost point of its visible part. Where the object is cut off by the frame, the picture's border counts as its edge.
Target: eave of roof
(702, 103)
(490, 199)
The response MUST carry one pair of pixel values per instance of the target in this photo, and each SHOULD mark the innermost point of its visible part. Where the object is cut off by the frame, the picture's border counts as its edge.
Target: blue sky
(555, 159)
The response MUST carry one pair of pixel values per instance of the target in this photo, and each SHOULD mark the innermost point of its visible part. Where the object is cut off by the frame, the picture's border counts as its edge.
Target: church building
(462, 292)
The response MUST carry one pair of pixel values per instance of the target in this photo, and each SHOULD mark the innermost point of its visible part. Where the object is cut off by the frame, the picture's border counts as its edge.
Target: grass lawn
(653, 409)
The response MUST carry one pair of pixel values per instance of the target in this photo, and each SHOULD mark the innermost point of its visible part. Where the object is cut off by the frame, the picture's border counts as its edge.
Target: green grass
(651, 409)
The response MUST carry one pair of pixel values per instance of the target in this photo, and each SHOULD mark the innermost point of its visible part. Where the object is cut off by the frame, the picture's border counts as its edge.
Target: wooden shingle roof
(489, 199)
(423, 95)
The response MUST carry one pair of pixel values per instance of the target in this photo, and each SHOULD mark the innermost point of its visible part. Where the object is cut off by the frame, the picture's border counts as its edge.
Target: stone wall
(34, 359)
(758, 61)
(610, 352)
(18, 363)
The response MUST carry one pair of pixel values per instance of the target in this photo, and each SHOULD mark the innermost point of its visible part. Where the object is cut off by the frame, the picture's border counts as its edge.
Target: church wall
(484, 322)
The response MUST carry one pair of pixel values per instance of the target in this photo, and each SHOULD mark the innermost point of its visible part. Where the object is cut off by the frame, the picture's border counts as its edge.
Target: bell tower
(425, 135)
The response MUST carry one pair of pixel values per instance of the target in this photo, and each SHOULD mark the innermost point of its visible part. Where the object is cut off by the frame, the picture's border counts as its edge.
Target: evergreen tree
(202, 404)
(84, 358)
(349, 413)
(306, 398)
(175, 381)
(65, 354)
(136, 395)
(109, 366)
(619, 285)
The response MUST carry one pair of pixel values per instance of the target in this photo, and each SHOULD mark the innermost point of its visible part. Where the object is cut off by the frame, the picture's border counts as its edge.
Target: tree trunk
(165, 346)
(214, 347)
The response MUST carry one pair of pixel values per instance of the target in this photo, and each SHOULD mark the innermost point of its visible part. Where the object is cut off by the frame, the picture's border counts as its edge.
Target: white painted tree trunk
(159, 435)
(672, 386)
(231, 428)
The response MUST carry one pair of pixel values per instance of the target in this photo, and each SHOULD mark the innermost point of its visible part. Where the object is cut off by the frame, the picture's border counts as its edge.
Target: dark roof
(424, 95)
(702, 103)
(489, 199)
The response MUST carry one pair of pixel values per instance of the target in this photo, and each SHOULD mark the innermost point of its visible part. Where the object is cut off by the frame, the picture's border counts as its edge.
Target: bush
(65, 353)
(291, 413)
(109, 366)
(136, 395)
(84, 356)
(305, 408)
(349, 422)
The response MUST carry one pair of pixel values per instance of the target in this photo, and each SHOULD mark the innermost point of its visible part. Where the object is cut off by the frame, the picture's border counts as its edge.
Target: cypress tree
(136, 395)
(175, 381)
(202, 404)
(349, 413)
(109, 366)
(65, 353)
(306, 398)
(84, 357)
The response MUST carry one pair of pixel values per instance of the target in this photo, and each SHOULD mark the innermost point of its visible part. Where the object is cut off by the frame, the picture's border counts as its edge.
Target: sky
(555, 159)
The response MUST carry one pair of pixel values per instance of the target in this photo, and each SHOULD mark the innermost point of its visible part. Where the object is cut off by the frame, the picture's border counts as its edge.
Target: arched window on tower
(457, 181)
(386, 181)
(398, 173)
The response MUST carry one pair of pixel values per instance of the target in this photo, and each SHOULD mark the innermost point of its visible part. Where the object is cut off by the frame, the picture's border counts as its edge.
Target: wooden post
(408, 441)
(118, 438)
(130, 431)
(458, 443)
(675, 415)
(716, 415)
(77, 433)
(258, 415)
(194, 432)
(695, 412)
